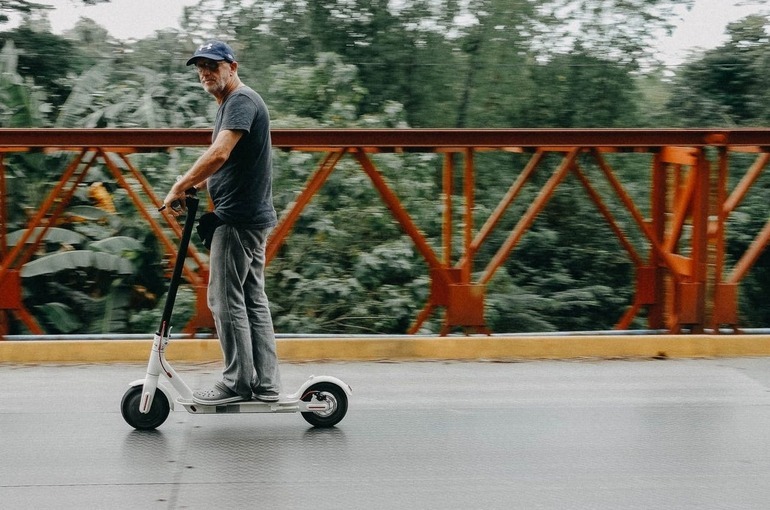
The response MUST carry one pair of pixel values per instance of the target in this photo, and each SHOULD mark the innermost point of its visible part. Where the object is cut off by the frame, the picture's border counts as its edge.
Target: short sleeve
(239, 113)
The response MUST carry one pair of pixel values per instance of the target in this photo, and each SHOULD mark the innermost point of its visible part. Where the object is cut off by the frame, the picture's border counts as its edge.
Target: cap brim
(209, 56)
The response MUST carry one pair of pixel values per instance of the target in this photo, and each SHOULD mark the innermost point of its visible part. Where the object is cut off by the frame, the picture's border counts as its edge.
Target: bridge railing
(682, 278)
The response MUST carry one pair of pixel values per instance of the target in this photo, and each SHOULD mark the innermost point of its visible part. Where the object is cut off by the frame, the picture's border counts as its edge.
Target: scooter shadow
(331, 436)
(143, 444)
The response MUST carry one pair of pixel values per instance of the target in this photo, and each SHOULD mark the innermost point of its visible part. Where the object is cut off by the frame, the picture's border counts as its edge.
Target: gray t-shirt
(242, 190)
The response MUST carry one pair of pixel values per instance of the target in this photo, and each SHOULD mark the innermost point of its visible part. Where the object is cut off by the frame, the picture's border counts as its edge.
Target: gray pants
(237, 300)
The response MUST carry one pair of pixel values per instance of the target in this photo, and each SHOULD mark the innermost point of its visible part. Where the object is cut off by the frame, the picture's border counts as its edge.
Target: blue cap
(213, 50)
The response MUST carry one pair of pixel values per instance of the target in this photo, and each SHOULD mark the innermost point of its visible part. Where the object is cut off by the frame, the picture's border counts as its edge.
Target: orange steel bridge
(682, 279)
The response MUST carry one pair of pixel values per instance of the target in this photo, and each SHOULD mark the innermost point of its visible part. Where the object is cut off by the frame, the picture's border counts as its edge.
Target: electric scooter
(322, 400)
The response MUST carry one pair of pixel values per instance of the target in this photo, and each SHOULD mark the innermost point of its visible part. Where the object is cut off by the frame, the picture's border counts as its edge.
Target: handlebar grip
(176, 205)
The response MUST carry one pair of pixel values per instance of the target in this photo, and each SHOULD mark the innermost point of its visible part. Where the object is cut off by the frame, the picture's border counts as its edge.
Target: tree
(578, 90)
(27, 7)
(23, 104)
(18, 7)
(47, 59)
(726, 85)
(327, 92)
(508, 46)
(621, 30)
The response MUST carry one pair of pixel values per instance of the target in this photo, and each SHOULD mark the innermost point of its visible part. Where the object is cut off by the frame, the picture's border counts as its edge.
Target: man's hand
(175, 201)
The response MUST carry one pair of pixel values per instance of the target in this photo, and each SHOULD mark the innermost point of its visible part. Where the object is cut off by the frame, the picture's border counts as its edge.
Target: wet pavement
(659, 434)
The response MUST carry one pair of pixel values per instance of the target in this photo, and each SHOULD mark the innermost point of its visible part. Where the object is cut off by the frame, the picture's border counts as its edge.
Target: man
(237, 170)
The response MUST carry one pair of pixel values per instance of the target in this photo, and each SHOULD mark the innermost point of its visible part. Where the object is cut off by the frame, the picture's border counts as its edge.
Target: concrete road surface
(673, 434)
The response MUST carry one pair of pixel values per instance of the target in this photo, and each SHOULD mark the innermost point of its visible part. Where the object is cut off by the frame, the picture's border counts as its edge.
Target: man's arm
(209, 162)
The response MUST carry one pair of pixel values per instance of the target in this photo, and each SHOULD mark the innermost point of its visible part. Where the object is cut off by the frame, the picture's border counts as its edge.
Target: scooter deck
(255, 406)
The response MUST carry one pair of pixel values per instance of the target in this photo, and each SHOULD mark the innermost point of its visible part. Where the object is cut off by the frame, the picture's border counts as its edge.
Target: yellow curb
(520, 347)
(376, 348)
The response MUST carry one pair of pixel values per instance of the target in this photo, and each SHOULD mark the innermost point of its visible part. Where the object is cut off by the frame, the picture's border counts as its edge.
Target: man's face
(214, 75)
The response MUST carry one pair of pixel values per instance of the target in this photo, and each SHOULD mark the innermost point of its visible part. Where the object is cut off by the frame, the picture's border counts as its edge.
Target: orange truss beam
(681, 276)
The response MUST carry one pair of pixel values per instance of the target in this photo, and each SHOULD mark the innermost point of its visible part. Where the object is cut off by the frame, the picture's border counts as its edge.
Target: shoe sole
(221, 401)
(267, 399)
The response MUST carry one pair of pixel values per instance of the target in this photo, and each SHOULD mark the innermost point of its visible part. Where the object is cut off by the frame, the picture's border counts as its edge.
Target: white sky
(124, 19)
(702, 27)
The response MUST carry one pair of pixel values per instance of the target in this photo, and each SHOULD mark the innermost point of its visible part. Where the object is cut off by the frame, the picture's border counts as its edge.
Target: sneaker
(216, 396)
(266, 396)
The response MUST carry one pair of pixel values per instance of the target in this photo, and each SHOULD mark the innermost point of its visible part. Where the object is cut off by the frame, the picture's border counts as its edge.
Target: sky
(124, 19)
(702, 27)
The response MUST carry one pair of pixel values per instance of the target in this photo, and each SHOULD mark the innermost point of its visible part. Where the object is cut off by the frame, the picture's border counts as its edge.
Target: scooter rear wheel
(334, 396)
(129, 408)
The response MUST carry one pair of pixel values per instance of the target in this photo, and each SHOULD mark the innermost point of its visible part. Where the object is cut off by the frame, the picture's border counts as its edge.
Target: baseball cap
(213, 50)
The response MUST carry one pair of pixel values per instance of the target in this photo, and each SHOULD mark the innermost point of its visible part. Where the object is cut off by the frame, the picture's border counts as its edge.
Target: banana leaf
(53, 235)
(87, 212)
(78, 259)
(61, 316)
(118, 245)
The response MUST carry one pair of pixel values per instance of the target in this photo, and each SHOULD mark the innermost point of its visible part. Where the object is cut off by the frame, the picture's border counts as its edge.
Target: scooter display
(321, 400)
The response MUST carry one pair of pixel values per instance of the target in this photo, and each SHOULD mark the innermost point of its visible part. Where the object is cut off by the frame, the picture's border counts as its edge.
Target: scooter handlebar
(176, 205)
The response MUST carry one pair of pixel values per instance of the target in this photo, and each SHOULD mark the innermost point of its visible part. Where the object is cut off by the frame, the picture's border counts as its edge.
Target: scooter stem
(157, 362)
(192, 202)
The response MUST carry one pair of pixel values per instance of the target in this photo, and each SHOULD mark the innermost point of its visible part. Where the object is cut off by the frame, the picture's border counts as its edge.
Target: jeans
(237, 300)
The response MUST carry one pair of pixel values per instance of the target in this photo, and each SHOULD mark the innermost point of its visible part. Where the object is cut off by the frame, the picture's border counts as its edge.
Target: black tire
(129, 407)
(335, 395)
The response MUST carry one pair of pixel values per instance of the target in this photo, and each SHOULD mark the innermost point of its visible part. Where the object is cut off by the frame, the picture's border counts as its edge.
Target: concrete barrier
(494, 348)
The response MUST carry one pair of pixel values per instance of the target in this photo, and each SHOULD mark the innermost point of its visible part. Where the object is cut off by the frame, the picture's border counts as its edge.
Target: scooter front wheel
(129, 408)
(335, 398)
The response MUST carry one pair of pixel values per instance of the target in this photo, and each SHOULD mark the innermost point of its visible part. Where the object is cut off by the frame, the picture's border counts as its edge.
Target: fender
(161, 387)
(317, 379)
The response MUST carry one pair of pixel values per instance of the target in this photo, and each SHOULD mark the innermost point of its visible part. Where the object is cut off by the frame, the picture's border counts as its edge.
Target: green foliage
(21, 102)
(577, 90)
(99, 285)
(124, 246)
(326, 92)
(85, 313)
(60, 317)
(75, 260)
(52, 235)
(136, 97)
(374, 285)
(148, 320)
(47, 59)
